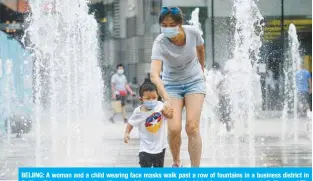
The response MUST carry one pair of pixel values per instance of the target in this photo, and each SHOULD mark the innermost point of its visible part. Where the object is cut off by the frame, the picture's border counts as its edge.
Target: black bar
(0, 13)
(282, 35)
(282, 24)
(212, 27)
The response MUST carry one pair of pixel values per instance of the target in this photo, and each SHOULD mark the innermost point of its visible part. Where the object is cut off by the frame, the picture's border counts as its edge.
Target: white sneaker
(177, 166)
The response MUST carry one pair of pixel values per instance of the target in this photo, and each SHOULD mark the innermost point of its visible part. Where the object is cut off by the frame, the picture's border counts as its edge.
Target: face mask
(170, 32)
(120, 71)
(150, 104)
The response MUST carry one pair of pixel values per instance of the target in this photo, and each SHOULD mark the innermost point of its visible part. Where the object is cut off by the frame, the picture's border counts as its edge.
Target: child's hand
(168, 113)
(126, 138)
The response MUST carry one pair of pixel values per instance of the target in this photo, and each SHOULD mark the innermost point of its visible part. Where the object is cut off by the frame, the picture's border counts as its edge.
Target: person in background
(304, 89)
(150, 118)
(223, 106)
(120, 87)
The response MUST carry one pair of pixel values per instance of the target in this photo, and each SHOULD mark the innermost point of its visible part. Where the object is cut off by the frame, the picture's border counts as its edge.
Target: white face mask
(120, 71)
(170, 32)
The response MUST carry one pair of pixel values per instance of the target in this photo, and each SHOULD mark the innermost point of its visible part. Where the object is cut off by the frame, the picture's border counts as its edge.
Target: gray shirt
(180, 63)
(119, 82)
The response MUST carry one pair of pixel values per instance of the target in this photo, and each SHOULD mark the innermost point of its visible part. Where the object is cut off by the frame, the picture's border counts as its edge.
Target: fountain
(247, 43)
(290, 67)
(68, 84)
(15, 89)
(241, 70)
(194, 21)
(9, 96)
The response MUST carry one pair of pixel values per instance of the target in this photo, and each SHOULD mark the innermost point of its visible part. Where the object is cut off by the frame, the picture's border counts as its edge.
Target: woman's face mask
(170, 32)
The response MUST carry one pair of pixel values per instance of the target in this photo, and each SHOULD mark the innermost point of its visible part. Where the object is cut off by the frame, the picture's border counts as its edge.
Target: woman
(180, 48)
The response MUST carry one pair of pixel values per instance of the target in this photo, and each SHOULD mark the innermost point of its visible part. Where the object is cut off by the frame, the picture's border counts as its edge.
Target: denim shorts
(181, 90)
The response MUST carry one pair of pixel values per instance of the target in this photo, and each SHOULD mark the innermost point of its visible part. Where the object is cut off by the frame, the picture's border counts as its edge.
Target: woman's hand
(168, 110)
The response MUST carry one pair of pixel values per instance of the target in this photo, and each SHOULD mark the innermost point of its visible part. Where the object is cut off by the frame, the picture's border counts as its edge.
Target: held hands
(126, 138)
(168, 110)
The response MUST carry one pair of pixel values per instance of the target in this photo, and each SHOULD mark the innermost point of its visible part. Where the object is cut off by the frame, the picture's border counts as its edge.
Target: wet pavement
(102, 145)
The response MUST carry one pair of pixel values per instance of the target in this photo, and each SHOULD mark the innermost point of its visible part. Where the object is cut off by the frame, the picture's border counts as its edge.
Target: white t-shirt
(120, 82)
(151, 126)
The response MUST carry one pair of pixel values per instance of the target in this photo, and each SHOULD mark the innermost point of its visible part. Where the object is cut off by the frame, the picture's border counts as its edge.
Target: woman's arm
(155, 70)
(201, 55)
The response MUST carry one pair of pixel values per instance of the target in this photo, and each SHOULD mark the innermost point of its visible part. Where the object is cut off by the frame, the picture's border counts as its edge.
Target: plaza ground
(108, 149)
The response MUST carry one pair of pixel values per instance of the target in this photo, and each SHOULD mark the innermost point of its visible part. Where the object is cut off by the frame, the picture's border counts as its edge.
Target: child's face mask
(149, 99)
(150, 104)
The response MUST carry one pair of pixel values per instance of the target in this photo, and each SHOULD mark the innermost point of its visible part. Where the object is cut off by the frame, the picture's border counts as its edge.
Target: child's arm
(128, 129)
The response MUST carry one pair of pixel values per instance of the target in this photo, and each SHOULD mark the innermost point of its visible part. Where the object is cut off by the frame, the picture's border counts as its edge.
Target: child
(150, 120)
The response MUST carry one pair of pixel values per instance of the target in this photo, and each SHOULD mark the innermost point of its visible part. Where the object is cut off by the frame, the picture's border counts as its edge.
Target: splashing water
(241, 72)
(290, 67)
(241, 79)
(247, 42)
(241, 88)
(211, 97)
(68, 83)
(194, 21)
(9, 99)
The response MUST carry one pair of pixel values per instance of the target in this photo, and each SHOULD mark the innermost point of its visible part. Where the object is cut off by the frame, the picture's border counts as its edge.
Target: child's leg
(159, 159)
(145, 159)
(112, 117)
(123, 102)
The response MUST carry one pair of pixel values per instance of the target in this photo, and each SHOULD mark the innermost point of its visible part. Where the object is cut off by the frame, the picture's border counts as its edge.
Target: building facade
(134, 25)
(127, 29)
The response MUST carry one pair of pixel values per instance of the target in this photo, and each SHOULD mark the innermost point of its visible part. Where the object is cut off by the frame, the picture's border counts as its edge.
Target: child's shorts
(151, 160)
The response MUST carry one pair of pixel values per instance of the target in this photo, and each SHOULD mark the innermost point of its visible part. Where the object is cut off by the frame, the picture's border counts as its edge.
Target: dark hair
(119, 65)
(216, 66)
(177, 17)
(147, 85)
